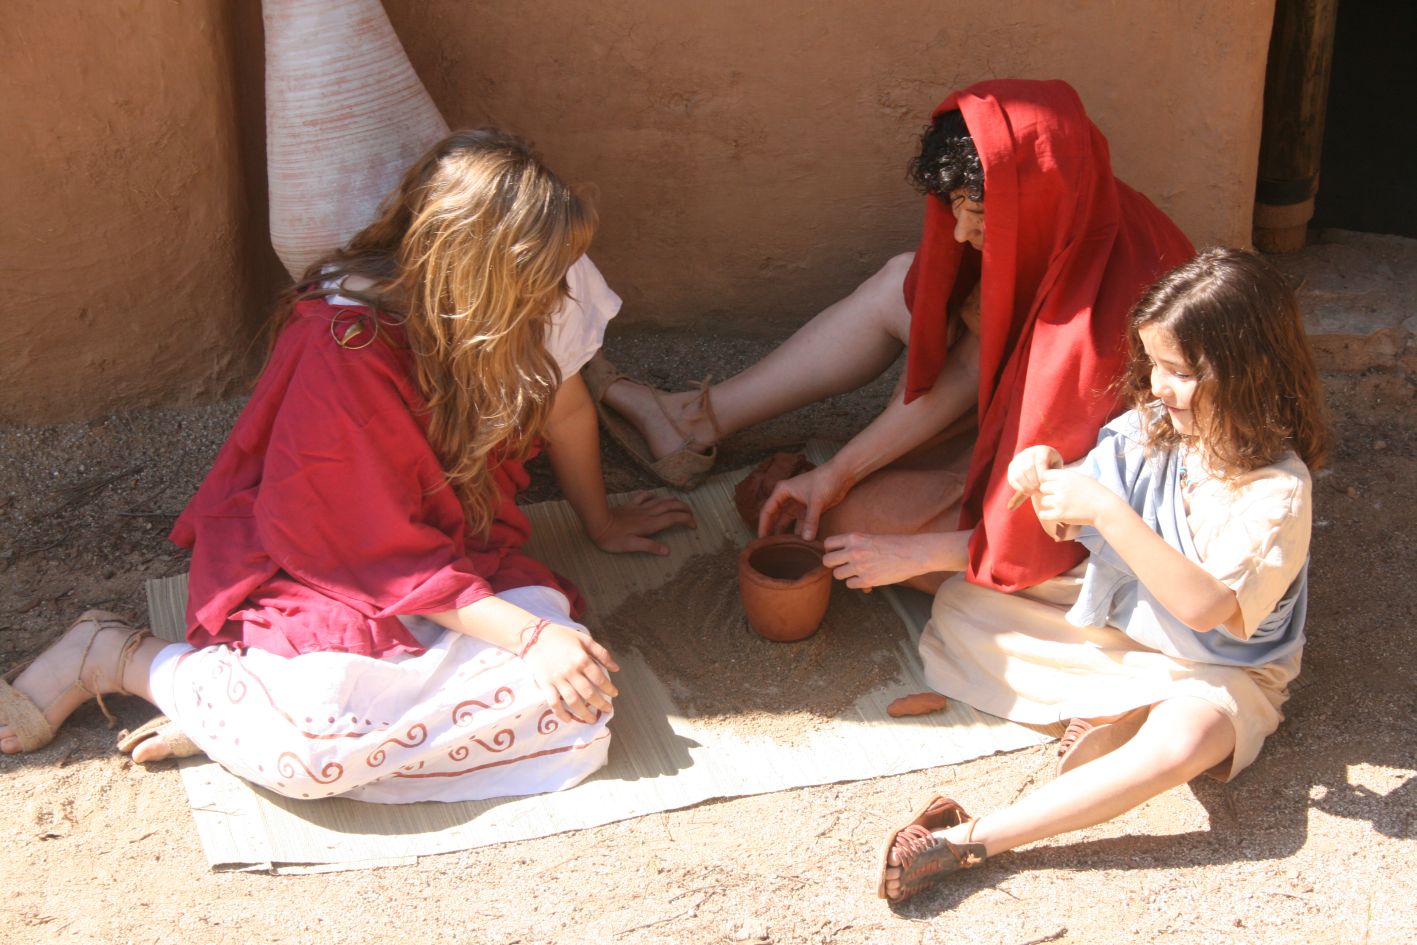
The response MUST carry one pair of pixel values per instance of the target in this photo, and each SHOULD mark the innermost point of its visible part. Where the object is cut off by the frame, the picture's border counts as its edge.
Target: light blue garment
(1111, 595)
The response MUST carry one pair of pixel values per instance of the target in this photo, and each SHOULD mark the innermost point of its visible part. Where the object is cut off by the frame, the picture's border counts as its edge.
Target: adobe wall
(749, 156)
(122, 197)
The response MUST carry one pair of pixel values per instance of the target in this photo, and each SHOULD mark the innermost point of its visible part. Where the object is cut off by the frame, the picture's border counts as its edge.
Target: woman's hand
(628, 527)
(1026, 471)
(1067, 497)
(571, 669)
(867, 561)
(803, 499)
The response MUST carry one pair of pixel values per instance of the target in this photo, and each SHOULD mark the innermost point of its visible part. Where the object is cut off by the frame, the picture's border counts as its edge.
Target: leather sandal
(177, 742)
(922, 857)
(1085, 741)
(684, 468)
(26, 720)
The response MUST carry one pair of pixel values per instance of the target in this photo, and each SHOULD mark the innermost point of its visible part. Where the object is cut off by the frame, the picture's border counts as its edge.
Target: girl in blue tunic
(1171, 648)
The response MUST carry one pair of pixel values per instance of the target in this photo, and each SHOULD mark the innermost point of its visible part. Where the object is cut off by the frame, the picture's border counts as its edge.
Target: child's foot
(938, 840)
(958, 837)
(664, 420)
(87, 661)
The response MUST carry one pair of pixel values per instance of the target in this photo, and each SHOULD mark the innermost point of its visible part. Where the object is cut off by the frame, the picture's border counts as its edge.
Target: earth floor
(1314, 843)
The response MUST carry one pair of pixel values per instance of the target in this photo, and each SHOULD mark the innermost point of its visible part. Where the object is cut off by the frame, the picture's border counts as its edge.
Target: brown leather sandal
(26, 720)
(1085, 741)
(922, 857)
(684, 468)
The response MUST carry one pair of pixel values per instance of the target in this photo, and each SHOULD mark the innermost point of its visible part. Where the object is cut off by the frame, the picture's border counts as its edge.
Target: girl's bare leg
(1180, 740)
(63, 678)
(843, 347)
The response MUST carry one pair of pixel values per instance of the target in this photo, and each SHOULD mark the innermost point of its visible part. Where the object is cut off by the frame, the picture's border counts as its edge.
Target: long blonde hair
(470, 254)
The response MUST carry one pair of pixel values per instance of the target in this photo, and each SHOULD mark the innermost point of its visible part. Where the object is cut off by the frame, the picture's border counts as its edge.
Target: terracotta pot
(785, 586)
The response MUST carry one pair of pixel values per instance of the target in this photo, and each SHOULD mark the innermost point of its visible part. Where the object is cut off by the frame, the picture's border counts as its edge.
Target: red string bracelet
(601, 531)
(535, 635)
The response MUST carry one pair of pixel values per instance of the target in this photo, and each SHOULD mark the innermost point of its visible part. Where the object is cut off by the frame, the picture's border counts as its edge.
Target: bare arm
(900, 428)
(573, 447)
(867, 561)
(572, 670)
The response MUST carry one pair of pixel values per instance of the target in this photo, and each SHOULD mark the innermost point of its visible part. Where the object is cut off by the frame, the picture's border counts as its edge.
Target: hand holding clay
(867, 561)
(754, 489)
(1026, 471)
(1068, 498)
(802, 499)
(629, 526)
(572, 671)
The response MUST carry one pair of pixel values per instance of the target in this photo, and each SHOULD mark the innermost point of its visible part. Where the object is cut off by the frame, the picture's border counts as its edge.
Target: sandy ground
(1314, 843)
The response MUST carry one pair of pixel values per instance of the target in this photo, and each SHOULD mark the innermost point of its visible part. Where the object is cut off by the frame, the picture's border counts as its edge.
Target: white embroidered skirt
(462, 721)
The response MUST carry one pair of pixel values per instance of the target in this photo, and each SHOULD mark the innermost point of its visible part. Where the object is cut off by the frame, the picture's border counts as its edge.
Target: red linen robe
(1068, 249)
(327, 512)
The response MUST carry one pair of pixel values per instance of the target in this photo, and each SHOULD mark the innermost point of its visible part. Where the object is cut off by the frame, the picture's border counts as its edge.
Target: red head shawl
(1068, 249)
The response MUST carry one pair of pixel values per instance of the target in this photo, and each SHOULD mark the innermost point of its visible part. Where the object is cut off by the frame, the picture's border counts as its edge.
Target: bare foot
(152, 749)
(157, 739)
(86, 661)
(666, 421)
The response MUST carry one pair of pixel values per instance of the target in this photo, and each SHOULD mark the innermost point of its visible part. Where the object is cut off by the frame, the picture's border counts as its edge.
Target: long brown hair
(1238, 324)
(470, 254)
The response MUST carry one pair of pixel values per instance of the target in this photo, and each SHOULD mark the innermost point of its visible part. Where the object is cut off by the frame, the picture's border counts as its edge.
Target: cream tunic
(1017, 656)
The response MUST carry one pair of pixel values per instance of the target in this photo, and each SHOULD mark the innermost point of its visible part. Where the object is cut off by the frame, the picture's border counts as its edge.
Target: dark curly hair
(1238, 324)
(948, 160)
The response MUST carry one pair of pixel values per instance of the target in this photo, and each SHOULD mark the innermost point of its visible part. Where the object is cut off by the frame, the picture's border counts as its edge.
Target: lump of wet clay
(917, 703)
(755, 488)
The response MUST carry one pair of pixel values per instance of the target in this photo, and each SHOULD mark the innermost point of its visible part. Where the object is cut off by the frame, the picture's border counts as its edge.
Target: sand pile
(693, 633)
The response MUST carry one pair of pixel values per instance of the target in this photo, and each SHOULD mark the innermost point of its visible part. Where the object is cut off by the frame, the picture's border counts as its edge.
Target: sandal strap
(974, 853)
(600, 375)
(130, 646)
(102, 620)
(941, 814)
(1076, 729)
(706, 406)
(687, 441)
(682, 468)
(914, 840)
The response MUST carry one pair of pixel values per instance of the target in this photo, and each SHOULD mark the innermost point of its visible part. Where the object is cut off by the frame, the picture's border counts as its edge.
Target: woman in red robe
(1021, 318)
(361, 620)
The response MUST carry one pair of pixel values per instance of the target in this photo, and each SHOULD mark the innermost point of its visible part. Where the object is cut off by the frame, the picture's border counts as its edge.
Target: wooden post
(1295, 97)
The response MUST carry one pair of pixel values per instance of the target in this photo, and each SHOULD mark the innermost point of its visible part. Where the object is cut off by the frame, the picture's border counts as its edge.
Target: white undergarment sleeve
(578, 327)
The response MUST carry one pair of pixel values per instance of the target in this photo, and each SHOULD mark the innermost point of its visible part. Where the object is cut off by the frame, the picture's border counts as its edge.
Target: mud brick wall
(749, 156)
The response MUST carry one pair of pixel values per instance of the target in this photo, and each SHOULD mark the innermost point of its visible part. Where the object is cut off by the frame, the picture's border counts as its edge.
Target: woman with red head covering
(1070, 249)
(1022, 315)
